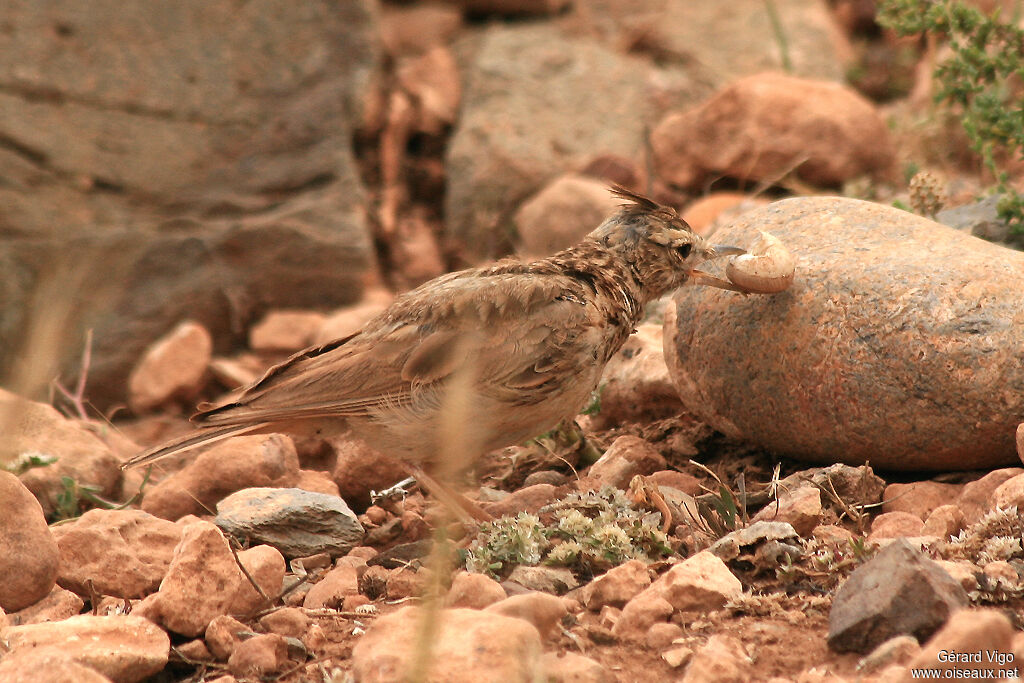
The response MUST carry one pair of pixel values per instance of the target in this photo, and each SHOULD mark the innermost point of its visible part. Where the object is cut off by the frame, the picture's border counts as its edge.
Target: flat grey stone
(299, 523)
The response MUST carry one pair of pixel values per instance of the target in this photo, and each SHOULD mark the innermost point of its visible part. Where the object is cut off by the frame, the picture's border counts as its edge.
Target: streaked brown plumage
(523, 345)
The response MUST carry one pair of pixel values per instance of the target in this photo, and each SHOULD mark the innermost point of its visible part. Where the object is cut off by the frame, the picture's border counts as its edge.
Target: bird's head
(662, 250)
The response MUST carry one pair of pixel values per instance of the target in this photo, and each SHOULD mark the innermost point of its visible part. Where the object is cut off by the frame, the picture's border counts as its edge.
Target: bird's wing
(513, 332)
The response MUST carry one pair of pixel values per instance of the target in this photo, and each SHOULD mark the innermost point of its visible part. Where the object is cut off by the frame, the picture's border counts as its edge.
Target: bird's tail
(200, 437)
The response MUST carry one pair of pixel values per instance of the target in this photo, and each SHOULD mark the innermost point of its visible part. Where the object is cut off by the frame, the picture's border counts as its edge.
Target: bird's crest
(636, 202)
(638, 206)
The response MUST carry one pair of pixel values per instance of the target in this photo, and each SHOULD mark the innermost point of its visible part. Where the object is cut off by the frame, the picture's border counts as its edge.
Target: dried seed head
(766, 269)
(927, 194)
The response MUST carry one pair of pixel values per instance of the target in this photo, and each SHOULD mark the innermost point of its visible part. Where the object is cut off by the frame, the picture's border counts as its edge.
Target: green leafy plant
(981, 76)
(590, 532)
(27, 461)
(73, 497)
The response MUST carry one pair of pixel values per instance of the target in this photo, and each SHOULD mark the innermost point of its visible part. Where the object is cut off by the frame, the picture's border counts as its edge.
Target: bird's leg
(643, 491)
(699, 277)
(463, 508)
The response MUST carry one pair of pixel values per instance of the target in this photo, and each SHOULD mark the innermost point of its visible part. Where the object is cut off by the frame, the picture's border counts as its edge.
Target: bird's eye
(684, 250)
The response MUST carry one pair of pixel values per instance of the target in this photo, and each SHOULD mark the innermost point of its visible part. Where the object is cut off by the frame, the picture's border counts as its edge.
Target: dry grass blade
(77, 398)
(233, 545)
(455, 439)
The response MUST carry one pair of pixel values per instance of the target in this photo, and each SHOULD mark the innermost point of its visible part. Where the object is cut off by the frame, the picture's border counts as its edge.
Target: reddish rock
(554, 580)
(333, 588)
(513, 7)
(58, 605)
(119, 552)
(661, 635)
(968, 631)
(543, 610)
(615, 169)
(636, 386)
(1001, 570)
(414, 527)
(939, 349)
(260, 655)
(919, 497)
(704, 214)
(896, 524)
(238, 371)
(223, 634)
(432, 82)
(571, 123)
(360, 469)
(475, 591)
(975, 500)
(317, 482)
(733, 40)
(363, 552)
(416, 255)
(944, 521)
(680, 481)
(764, 126)
(1020, 441)
(800, 507)
(352, 603)
(896, 650)
(315, 639)
(172, 369)
(468, 645)
(617, 586)
(48, 666)
(290, 622)
(30, 559)
(285, 331)
(627, 457)
(413, 29)
(1010, 493)
(405, 583)
(31, 427)
(561, 214)
(195, 650)
(204, 582)
(679, 655)
(122, 648)
(722, 659)
(569, 667)
(267, 460)
(701, 582)
(831, 533)
(647, 608)
(529, 499)
(608, 616)
(963, 572)
(348, 321)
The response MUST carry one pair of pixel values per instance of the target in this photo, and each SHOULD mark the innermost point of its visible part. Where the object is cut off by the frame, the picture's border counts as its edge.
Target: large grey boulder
(900, 342)
(170, 160)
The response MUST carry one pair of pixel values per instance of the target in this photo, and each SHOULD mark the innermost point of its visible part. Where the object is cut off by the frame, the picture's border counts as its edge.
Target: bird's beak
(718, 250)
(698, 277)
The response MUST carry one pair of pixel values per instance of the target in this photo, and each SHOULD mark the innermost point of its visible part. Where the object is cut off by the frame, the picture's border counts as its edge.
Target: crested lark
(479, 359)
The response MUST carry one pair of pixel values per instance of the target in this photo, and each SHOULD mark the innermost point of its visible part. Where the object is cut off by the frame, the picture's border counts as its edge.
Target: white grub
(766, 269)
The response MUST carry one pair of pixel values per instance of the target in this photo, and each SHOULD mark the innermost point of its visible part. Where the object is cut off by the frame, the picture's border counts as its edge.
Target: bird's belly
(465, 430)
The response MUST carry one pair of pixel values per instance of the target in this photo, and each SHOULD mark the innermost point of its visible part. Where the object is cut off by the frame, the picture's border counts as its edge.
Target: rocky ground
(817, 485)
